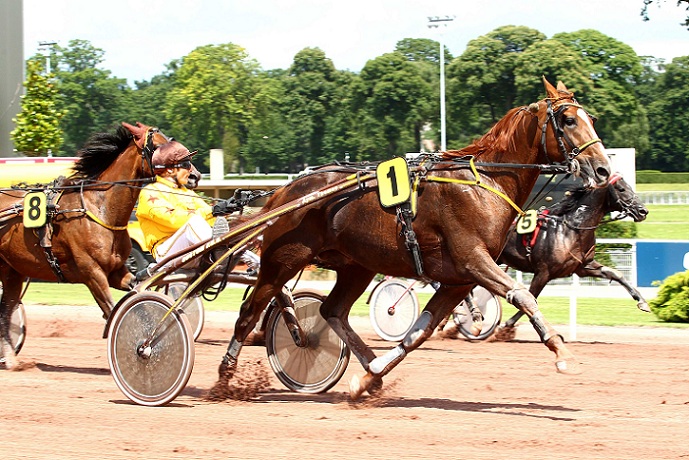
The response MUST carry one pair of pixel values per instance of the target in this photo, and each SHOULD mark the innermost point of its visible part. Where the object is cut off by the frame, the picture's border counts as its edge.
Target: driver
(172, 216)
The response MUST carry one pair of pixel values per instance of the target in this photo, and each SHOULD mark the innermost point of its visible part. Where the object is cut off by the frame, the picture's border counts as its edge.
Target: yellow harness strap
(96, 219)
(477, 182)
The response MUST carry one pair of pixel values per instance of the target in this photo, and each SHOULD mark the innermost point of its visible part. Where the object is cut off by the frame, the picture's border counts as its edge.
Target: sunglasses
(183, 165)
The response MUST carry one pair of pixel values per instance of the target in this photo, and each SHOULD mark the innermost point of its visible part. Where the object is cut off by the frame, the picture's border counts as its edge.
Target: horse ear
(561, 87)
(549, 89)
(138, 132)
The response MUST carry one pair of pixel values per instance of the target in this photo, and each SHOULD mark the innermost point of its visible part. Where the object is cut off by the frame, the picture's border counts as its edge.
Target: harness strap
(94, 217)
(404, 213)
(477, 182)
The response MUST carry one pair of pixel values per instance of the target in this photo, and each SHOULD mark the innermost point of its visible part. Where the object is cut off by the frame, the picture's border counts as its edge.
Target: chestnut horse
(464, 213)
(84, 239)
(565, 242)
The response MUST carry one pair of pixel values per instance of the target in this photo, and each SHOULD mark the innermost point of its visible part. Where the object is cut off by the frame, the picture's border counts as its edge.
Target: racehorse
(465, 209)
(564, 242)
(84, 238)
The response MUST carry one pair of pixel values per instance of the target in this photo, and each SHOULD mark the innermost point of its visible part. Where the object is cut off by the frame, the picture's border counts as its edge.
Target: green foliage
(481, 82)
(311, 113)
(669, 119)
(391, 100)
(659, 177)
(37, 131)
(92, 100)
(672, 302)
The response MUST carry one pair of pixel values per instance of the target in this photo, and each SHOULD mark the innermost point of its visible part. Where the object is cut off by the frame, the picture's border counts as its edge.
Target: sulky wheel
(320, 364)
(490, 307)
(192, 307)
(17, 329)
(394, 309)
(150, 349)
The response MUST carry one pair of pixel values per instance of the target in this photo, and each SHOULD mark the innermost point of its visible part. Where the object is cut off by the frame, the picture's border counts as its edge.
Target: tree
(612, 68)
(647, 3)
(218, 94)
(37, 131)
(422, 50)
(669, 120)
(391, 100)
(481, 82)
(92, 100)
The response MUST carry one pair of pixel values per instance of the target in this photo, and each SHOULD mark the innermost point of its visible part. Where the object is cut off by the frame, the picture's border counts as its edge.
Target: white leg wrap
(378, 365)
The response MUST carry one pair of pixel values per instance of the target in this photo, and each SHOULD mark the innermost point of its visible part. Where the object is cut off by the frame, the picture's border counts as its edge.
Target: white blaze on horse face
(581, 113)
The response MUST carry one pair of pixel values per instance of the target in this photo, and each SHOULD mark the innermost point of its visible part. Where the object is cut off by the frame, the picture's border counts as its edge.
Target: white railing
(677, 197)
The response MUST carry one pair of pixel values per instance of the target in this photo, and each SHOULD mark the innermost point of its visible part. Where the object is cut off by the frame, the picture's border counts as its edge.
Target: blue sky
(140, 37)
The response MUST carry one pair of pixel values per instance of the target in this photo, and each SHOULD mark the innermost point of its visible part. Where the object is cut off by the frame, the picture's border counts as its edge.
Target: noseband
(552, 115)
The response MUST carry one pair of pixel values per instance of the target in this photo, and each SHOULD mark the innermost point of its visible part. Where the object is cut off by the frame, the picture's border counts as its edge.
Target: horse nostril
(603, 172)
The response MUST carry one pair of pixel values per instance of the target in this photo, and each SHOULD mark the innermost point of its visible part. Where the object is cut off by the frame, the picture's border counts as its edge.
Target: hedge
(659, 177)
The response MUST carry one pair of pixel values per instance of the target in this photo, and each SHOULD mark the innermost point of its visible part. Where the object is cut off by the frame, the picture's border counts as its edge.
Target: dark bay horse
(465, 210)
(84, 239)
(565, 241)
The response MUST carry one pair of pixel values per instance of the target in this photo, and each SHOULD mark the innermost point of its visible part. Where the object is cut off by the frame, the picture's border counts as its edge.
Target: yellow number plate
(393, 182)
(34, 210)
(527, 223)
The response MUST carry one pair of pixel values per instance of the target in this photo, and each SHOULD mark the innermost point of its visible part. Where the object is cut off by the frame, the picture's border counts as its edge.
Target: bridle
(626, 205)
(569, 151)
(148, 147)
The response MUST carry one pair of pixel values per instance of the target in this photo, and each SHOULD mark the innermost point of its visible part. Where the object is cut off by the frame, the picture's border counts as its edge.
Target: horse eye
(570, 121)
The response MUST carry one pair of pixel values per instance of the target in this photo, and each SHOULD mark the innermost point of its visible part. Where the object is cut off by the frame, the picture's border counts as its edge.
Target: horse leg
(12, 282)
(435, 311)
(98, 284)
(122, 279)
(249, 313)
(351, 283)
(498, 282)
(599, 270)
(508, 331)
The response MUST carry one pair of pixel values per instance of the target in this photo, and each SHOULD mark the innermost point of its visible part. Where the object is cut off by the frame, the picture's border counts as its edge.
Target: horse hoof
(570, 367)
(358, 386)
(476, 328)
(505, 333)
(643, 306)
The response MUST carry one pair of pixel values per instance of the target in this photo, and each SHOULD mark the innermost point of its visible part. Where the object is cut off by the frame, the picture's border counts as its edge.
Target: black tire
(136, 261)
(316, 367)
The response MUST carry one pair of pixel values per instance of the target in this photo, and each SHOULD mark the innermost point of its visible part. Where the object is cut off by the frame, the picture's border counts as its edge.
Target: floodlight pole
(436, 22)
(43, 46)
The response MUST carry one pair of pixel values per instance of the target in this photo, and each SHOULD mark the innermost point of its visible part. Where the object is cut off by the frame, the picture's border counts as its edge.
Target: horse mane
(500, 138)
(569, 203)
(99, 152)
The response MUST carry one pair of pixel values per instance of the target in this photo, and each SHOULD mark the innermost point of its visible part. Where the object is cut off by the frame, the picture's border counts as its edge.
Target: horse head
(621, 198)
(147, 139)
(568, 136)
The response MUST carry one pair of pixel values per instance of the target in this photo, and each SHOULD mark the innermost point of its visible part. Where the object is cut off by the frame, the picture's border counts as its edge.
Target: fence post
(573, 308)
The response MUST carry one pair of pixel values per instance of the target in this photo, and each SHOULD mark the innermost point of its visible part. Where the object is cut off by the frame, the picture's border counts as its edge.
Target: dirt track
(450, 399)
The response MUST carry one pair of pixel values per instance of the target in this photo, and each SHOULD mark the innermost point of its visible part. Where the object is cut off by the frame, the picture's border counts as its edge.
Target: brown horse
(465, 210)
(84, 239)
(565, 242)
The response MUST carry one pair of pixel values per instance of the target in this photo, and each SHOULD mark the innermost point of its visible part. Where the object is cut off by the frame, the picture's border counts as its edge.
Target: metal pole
(43, 46)
(435, 22)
